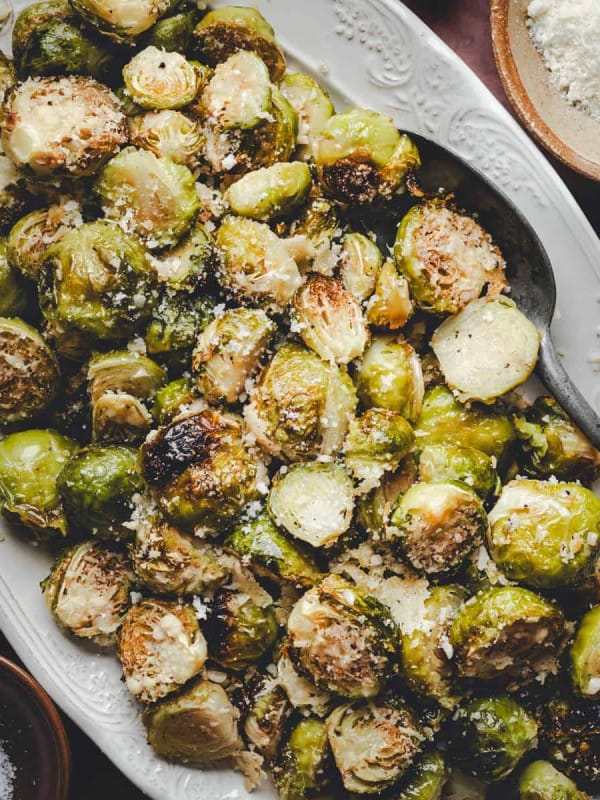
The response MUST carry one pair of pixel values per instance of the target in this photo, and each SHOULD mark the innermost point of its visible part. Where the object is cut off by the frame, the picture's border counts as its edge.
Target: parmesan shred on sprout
(567, 35)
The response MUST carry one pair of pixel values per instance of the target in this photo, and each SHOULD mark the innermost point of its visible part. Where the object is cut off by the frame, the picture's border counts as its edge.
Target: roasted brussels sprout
(426, 780)
(238, 94)
(360, 264)
(300, 406)
(374, 743)
(30, 463)
(306, 758)
(186, 267)
(507, 632)
(343, 639)
(157, 79)
(313, 106)
(88, 591)
(155, 198)
(14, 292)
(390, 376)
(267, 709)
(240, 631)
(173, 33)
(177, 320)
(172, 398)
(545, 535)
(376, 443)
(168, 134)
(203, 471)
(452, 462)
(228, 352)
(374, 509)
(229, 29)
(390, 306)
(300, 690)
(29, 375)
(160, 648)
(271, 192)
(313, 502)
(62, 126)
(96, 486)
(13, 198)
(570, 735)
(315, 228)
(97, 279)
(34, 17)
(585, 655)
(489, 736)
(121, 20)
(447, 258)
(541, 781)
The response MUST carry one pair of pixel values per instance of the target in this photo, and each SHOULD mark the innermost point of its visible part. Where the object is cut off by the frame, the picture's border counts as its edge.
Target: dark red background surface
(464, 25)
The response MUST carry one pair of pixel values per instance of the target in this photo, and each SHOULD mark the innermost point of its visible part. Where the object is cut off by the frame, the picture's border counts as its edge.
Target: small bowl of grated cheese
(548, 57)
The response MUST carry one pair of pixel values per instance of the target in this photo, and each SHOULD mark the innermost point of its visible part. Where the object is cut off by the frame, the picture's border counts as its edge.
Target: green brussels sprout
(266, 711)
(14, 292)
(230, 29)
(317, 225)
(178, 318)
(550, 444)
(390, 376)
(447, 258)
(361, 156)
(570, 735)
(300, 406)
(155, 198)
(360, 263)
(256, 266)
(436, 525)
(585, 655)
(158, 79)
(545, 535)
(329, 320)
(88, 590)
(171, 399)
(271, 192)
(426, 780)
(238, 94)
(30, 462)
(374, 509)
(541, 781)
(160, 648)
(426, 650)
(121, 20)
(173, 33)
(308, 754)
(34, 17)
(203, 470)
(8, 74)
(29, 374)
(327, 516)
(13, 197)
(506, 632)
(62, 126)
(167, 134)
(376, 443)
(489, 736)
(374, 743)
(390, 305)
(452, 462)
(443, 420)
(240, 630)
(98, 280)
(343, 639)
(97, 485)
(187, 266)
(228, 353)
(313, 106)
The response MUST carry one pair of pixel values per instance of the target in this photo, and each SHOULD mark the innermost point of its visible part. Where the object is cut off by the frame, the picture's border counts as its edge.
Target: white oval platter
(372, 53)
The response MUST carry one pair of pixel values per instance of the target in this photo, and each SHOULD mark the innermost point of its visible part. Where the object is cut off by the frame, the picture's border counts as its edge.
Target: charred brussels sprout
(507, 632)
(374, 743)
(426, 780)
(541, 781)
(271, 192)
(154, 198)
(390, 376)
(585, 655)
(14, 292)
(311, 103)
(238, 94)
(343, 639)
(177, 320)
(360, 264)
(451, 462)
(374, 509)
(203, 471)
(361, 156)
(376, 443)
(173, 33)
(315, 228)
(266, 710)
(121, 20)
(241, 631)
(300, 690)
(186, 267)
(570, 735)
(97, 485)
(13, 198)
(447, 258)
(307, 756)
(88, 591)
(168, 134)
(62, 126)
(34, 17)
(29, 376)
(545, 535)
(171, 399)
(30, 463)
(437, 525)
(228, 352)
(490, 735)
(160, 648)
(157, 79)
(390, 306)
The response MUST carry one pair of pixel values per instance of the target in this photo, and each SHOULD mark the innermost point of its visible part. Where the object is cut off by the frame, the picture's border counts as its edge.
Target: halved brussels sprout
(436, 526)
(374, 509)
(271, 192)
(13, 197)
(507, 632)
(312, 232)
(157, 79)
(489, 736)
(426, 780)
(238, 94)
(343, 639)
(541, 781)
(97, 485)
(376, 443)
(34, 17)
(570, 734)
(390, 376)
(300, 690)
(171, 399)
(313, 106)
(29, 374)
(487, 349)
(307, 755)
(160, 648)
(98, 280)
(178, 318)
(173, 33)
(585, 655)
(267, 709)
(360, 264)
(122, 20)
(241, 631)
(203, 471)
(361, 156)
(155, 198)
(62, 126)
(30, 463)
(228, 352)
(313, 502)
(168, 134)
(8, 74)
(229, 29)
(390, 306)
(545, 535)
(452, 462)
(88, 590)
(329, 320)
(374, 743)
(447, 258)
(187, 266)
(14, 292)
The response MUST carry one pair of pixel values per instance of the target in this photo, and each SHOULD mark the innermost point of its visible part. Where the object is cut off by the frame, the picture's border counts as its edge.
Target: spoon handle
(554, 377)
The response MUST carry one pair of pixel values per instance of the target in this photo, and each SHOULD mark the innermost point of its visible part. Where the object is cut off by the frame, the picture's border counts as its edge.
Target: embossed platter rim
(374, 53)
